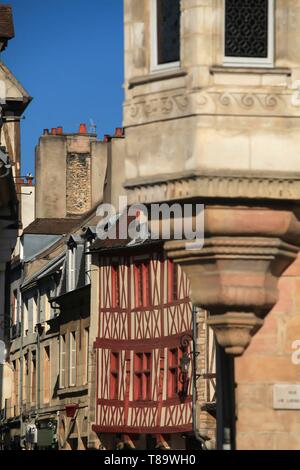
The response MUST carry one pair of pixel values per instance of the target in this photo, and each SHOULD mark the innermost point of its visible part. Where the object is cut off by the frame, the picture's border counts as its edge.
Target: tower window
(166, 33)
(249, 30)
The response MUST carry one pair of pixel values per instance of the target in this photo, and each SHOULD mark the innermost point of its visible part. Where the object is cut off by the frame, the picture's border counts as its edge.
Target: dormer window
(90, 236)
(165, 34)
(71, 269)
(249, 33)
(74, 260)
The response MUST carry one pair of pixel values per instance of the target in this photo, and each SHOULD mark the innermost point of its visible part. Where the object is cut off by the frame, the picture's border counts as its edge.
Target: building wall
(27, 205)
(10, 137)
(123, 332)
(70, 174)
(73, 431)
(271, 359)
(50, 173)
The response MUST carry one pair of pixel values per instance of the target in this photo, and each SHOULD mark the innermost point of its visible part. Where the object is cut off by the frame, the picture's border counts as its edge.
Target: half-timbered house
(145, 356)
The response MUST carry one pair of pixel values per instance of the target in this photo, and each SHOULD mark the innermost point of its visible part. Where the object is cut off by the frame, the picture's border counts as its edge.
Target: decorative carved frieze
(253, 186)
(155, 107)
(261, 101)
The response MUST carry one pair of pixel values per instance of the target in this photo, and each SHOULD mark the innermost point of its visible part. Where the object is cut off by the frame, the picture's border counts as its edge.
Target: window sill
(76, 390)
(250, 70)
(156, 77)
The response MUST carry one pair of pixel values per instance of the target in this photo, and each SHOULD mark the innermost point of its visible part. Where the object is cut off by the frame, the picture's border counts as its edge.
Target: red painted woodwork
(144, 309)
(71, 410)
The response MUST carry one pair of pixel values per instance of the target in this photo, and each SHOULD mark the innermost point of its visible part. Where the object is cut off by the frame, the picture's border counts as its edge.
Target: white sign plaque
(286, 397)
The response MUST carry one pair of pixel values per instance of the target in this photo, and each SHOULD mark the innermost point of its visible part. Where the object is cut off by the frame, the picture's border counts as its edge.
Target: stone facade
(226, 136)
(71, 173)
(271, 359)
(221, 116)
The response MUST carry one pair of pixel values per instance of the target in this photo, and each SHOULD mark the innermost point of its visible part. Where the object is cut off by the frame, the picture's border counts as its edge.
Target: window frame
(72, 364)
(154, 65)
(88, 263)
(115, 286)
(25, 316)
(62, 360)
(174, 372)
(15, 313)
(173, 275)
(114, 374)
(86, 355)
(142, 379)
(47, 305)
(33, 377)
(267, 62)
(142, 284)
(47, 374)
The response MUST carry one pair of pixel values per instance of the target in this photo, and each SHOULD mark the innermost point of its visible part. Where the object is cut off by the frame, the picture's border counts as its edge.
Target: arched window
(249, 32)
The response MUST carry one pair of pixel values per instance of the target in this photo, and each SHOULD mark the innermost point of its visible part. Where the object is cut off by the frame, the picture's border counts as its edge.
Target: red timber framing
(144, 310)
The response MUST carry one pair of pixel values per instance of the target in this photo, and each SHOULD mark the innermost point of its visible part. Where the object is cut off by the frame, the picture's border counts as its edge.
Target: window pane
(168, 31)
(114, 375)
(33, 376)
(72, 359)
(246, 28)
(86, 359)
(46, 374)
(115, 279)
(138, 386)
(62, 373)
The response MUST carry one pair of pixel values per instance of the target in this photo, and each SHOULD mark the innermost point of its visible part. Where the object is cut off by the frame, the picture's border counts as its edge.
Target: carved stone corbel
(234, 276)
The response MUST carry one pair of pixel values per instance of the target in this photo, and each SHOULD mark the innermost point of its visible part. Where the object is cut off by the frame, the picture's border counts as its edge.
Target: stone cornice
(219, 100)
(212, 185)
(156, 77)
(251, 70)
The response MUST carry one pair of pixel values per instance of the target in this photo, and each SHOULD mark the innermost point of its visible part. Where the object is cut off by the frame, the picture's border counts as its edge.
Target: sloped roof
(115, 242)
(6, 22)
(9, 76)
(50, 226)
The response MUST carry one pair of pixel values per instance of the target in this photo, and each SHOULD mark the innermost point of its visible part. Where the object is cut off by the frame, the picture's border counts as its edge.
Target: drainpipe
(21, 350)
(38, 356)
(197, 435)
(21, 357)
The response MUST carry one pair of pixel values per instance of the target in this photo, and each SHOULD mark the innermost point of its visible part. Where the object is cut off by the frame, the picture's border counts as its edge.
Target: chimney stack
(29, 179)
(119, 132)
(82, 129)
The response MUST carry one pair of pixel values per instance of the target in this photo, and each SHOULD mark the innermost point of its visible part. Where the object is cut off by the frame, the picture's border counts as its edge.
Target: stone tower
(211, 114)
(70, 170)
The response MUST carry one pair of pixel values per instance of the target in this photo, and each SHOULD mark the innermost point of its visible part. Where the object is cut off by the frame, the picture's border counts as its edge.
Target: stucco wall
(268, 361)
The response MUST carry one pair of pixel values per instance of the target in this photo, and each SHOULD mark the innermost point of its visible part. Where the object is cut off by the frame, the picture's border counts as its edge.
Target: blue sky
(68, 54)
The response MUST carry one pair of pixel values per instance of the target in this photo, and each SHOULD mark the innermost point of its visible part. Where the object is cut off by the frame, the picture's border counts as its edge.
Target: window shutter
(80, 266)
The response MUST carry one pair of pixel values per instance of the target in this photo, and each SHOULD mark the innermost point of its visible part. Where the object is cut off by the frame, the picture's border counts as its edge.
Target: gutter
(42, 272)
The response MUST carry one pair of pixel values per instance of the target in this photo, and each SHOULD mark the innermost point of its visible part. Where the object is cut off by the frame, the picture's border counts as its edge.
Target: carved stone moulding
(234, 276)
(203, 184)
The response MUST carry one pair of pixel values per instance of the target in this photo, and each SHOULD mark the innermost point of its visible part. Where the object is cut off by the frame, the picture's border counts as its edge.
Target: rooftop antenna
(93, 127)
